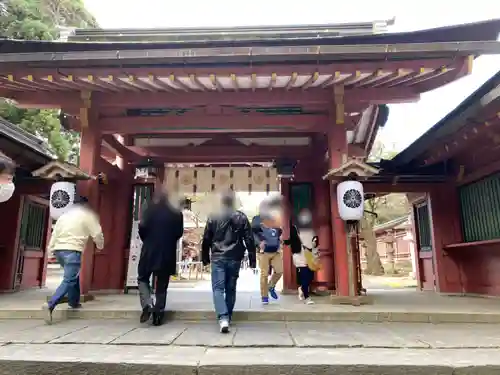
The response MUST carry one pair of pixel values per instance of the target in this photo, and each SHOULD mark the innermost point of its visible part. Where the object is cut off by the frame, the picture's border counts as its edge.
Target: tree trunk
(373, 263)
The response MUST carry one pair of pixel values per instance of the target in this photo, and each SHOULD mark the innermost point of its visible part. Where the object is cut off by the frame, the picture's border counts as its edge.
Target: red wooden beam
(217, 159)
(401, 187)
(281, 69)
(119, 149)
(267, 98)
(224, 152)
(233, 135)
(248, 98)
(213, 124)
(481, 172)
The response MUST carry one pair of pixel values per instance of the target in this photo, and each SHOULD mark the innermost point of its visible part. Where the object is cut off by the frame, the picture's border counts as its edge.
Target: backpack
(271, 236)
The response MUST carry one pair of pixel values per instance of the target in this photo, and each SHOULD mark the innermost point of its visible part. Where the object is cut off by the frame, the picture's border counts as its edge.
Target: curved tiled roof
(448, 124)
(22, 137)
(478, 31)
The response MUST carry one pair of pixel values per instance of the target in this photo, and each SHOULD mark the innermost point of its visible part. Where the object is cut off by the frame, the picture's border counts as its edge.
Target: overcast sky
(406, 121)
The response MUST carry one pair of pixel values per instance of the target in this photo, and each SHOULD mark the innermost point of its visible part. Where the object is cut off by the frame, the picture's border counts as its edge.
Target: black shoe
(158, 318)
(77, 306)
(145, 315)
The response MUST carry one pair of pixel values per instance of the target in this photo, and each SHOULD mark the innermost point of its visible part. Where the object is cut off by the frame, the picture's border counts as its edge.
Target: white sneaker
(224, 326)
(301, 294)
(309, 301)
(47, 313)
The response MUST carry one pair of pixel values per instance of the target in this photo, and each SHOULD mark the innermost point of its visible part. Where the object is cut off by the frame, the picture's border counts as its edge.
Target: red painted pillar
(289, 281)
(325, 277)
(337, 150)
(116, 223)
(109, 270)
(446, 229)
(90, 151)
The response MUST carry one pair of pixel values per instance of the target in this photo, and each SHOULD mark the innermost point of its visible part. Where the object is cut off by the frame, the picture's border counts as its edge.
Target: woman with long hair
(304, 248)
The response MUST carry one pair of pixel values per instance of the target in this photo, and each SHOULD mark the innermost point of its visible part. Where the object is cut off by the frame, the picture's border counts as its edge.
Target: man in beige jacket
(68, 240)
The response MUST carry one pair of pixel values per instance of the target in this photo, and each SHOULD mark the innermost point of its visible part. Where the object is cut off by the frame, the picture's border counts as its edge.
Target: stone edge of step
(94, 359)
(360, 316)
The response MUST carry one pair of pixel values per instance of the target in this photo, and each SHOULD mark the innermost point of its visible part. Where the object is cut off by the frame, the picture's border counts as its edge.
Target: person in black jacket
(160, 229)
(227, 235)
(295, 246)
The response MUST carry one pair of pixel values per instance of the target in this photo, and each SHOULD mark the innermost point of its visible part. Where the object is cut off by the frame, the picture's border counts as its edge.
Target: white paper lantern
(62, 197)
(350, 199)
(6, 191)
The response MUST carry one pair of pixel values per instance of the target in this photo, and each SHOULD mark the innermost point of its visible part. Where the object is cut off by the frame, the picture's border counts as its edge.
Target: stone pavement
(254, 334)
(195, 304)
(178, 348)
(193, 301)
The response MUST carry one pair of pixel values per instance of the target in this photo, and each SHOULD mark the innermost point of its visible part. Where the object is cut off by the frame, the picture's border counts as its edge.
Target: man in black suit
(160, 229)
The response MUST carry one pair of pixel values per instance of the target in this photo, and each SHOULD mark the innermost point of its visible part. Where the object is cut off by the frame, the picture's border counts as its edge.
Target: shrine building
(242, 108)
(25, 223)
(457, 221)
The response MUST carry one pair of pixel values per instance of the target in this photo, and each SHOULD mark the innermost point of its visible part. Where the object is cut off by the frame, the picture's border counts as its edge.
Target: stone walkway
(193, 301)
(265, 348)
(254, 334)
(194, 304)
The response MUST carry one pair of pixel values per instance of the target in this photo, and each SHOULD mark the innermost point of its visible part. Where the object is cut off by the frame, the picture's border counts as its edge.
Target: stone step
(93, 359)
(312, 315)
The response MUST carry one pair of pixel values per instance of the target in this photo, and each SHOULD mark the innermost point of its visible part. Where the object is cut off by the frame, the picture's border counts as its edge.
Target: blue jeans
(71, 261)
(225, 275)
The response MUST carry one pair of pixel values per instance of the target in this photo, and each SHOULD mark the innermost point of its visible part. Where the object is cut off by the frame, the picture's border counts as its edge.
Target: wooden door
(31, 253)
(427, 275)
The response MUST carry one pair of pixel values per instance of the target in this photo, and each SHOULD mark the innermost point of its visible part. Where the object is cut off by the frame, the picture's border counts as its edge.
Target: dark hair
(315, 239)
(6, 165)
(228, 198)
(160, 197)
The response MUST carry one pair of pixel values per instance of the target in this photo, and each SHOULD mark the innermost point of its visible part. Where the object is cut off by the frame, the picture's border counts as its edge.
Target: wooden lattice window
(480, 209)
(33, 230)
(423, 227)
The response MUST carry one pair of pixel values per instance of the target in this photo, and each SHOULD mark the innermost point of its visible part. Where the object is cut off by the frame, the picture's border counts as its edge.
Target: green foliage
(40, 20)
(381, 151)
(44, 124)
(391, 206)
(388, 207)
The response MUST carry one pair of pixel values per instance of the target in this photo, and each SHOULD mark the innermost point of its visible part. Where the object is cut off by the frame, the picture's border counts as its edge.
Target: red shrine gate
(228, 98)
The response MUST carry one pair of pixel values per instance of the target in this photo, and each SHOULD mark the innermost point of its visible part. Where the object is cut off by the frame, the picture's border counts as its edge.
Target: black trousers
(162, 279)
(305, 277)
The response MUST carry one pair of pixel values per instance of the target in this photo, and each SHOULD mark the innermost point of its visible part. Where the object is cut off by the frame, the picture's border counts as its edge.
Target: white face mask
(305, 218)
(6, 191)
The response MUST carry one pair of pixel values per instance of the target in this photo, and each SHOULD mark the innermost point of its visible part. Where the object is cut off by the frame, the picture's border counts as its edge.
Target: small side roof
(24, 139)
(396, 223)
(451, 123)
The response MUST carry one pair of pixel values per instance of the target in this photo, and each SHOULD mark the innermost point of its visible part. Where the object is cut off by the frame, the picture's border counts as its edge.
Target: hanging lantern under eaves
(146, 168)
(350, 200)
(62, 198)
